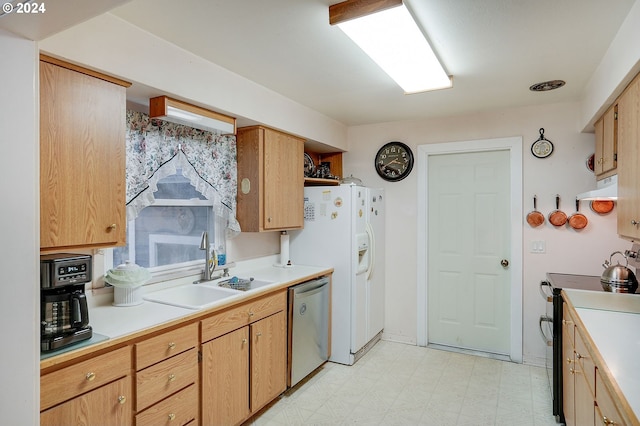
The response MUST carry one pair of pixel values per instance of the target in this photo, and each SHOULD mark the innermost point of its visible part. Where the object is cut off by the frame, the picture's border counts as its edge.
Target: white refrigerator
(344, 229)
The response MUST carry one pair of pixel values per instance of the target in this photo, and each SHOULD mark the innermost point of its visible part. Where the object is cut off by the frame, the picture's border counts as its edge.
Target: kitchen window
(165, 236)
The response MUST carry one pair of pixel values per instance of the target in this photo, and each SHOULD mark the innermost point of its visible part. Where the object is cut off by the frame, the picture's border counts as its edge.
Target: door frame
(514, 146)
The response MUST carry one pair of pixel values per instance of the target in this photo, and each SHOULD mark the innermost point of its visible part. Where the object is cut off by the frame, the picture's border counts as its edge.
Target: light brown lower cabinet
(577, 390)
(245, 368)
(216, 370)
(586, 399)
(91, 392)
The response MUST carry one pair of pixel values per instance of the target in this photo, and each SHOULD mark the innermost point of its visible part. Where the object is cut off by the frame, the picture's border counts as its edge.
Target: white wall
(564, 173)
(19, 232)
(116, 47)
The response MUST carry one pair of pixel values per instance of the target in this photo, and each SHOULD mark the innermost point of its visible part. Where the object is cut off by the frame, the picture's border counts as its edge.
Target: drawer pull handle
(244, 341)
(607, 421)
(569, 360)
(172, 377)
(112, 227)
(172, 345)
(122, 399)
(565, 322)
(574, 371)
(90, 376)
(258, 334)
(578, 356)
(172, 416)
(250, 314)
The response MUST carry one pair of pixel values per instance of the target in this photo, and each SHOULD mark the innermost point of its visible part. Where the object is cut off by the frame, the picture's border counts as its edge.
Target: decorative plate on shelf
(309, 166)
(591, 162)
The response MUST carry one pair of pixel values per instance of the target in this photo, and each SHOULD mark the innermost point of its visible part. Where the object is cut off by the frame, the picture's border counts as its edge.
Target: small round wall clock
(543, 147)
(394, 161)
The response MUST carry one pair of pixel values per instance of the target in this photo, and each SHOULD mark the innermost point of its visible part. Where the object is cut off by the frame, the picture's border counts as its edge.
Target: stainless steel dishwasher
(309, 327)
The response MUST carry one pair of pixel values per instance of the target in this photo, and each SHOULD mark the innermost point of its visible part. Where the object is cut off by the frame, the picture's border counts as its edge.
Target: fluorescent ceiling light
(175, 111)
(393, 40)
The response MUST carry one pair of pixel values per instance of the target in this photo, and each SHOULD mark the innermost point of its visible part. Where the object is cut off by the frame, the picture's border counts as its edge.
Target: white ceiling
(495, 49)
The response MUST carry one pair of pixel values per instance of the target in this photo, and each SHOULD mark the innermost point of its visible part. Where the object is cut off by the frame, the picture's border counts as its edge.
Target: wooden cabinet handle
(90, 376)
(172, 377)
(172, 416)
(244, 341)
(569, 360)
(122, 399)
(171, 345)
(112, 227)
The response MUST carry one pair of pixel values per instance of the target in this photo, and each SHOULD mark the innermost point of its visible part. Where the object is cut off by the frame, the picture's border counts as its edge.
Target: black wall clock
(394, 161)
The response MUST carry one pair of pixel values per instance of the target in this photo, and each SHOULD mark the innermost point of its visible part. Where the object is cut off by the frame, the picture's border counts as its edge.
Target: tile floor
(398, 384)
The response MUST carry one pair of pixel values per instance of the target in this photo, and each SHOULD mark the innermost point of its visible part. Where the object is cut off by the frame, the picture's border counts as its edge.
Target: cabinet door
(283, 181)
(606, 132)
(568, 376)
(629, 161)
(606, 411)
(268, 360)
(108, 405)
(82, 160)
(225, 379)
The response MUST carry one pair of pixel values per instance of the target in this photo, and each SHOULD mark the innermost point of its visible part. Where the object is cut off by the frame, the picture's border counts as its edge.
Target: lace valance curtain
(156, 148)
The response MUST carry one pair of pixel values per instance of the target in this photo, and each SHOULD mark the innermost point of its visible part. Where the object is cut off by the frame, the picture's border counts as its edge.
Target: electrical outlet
(538, 247)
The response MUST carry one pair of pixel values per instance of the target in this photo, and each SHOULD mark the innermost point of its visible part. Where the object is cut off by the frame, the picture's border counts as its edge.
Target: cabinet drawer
(243, 315)
(166, 345)
(163, 379)
(71, 381)
(180, 409)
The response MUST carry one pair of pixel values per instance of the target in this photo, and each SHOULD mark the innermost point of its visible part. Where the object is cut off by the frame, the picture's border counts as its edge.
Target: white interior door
(468, 244)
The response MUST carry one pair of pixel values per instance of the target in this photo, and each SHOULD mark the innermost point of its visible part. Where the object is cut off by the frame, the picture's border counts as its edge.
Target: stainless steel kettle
(617, 278)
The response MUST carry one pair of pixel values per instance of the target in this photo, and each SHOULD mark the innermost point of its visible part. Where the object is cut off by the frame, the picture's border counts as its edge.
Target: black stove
(551, 327)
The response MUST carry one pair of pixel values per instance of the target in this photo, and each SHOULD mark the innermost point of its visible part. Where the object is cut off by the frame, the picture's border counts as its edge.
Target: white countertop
(117, 321)
(613, 322)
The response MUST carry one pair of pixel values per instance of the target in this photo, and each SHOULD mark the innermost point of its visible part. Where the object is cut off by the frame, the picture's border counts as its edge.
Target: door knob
(504, 263)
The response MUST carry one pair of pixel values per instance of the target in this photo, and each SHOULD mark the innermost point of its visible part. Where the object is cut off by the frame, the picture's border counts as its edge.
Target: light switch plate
(538, 247)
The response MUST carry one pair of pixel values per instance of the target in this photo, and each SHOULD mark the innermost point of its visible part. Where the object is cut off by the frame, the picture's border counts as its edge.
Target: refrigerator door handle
(372, 249)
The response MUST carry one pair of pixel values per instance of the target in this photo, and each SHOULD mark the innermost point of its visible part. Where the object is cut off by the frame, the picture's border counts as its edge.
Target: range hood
(606, 189)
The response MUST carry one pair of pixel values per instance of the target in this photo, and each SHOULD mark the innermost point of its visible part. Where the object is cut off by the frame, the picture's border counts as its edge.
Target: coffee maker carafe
(64, 315)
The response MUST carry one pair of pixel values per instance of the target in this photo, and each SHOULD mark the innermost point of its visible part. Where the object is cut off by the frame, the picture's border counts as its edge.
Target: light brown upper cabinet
(82, 157)
(270, 180)
(606, 156)
(629, 162)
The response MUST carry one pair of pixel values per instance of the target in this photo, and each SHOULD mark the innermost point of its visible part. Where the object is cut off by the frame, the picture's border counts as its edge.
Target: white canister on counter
(127, 280)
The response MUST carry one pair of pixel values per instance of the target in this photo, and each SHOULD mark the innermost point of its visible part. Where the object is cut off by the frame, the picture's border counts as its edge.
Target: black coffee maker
(64, 315)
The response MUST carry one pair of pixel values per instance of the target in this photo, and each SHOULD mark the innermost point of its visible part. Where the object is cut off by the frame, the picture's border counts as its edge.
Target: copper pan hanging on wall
(578, 220)
(535, 218)
(602, 206)
(557, 217)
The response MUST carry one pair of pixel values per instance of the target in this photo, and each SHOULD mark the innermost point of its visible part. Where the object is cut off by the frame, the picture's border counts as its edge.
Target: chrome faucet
(209, 265)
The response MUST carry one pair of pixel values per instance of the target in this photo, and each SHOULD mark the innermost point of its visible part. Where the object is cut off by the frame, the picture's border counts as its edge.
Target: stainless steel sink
(243, 284)
(196, 296)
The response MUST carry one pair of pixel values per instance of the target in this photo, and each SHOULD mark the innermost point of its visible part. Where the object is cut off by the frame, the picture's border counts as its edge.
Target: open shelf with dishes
(322, 168)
